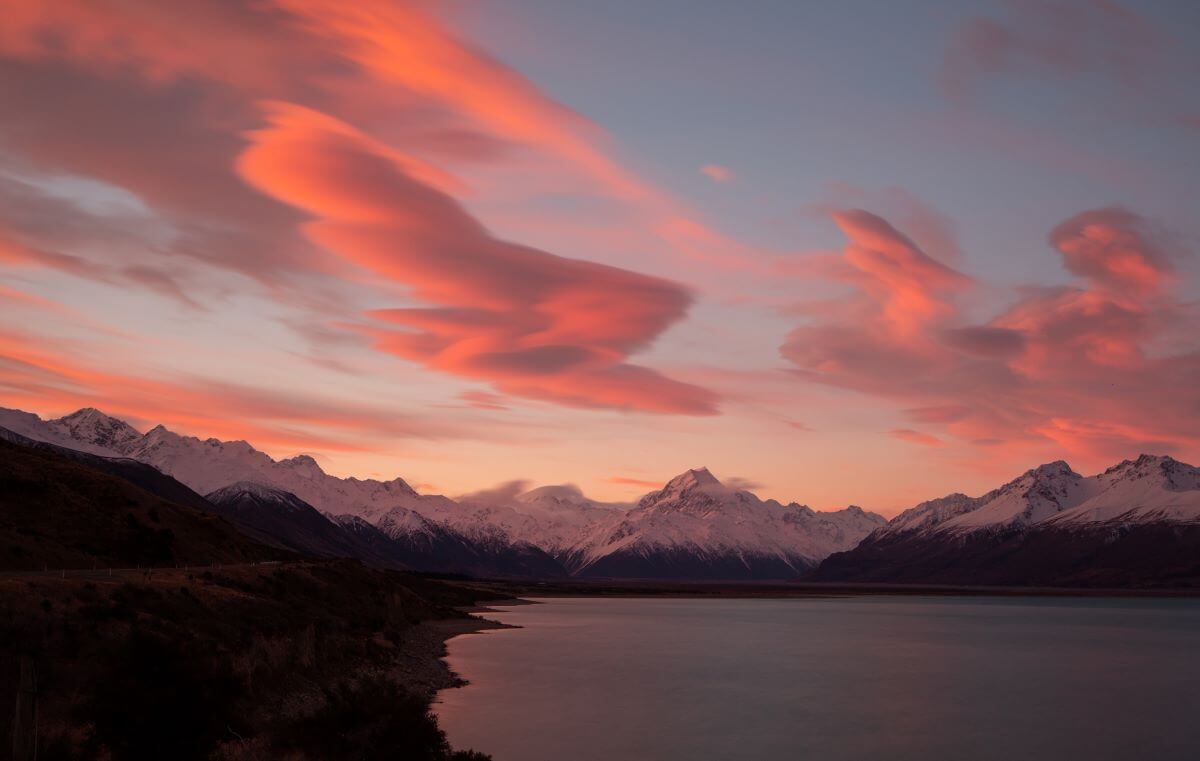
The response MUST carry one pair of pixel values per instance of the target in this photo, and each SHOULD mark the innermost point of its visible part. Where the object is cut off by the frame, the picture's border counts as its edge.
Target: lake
(950, 678)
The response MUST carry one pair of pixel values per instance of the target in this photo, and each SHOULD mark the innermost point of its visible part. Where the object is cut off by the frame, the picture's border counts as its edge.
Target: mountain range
(695, 527)
(1138, 523)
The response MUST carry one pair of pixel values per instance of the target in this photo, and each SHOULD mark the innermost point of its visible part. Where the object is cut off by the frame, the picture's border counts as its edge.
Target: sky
(839, 253)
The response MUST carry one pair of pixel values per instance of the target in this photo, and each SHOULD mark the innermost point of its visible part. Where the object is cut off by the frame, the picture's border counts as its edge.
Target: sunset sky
(857, 252)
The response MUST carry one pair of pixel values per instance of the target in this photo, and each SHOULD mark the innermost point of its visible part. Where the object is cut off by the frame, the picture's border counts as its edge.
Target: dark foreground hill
(60, 512)
(270, 658)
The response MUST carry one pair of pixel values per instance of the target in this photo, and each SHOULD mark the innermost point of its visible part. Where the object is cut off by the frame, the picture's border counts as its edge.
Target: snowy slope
(549, 517)
(695, 519)
(33, 427)
(93, 426)
(1148, 489)
(546, 519)
(696, 523)
(1136, 524)
(210, 464)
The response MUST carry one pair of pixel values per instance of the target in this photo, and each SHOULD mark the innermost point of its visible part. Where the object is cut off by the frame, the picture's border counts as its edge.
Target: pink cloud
(1097, 370)
(484, 400)
(1114, 250)
(933, 232)
(916, 437)
(716, 172)
(907, 283)
(534, 324)
(147, 78)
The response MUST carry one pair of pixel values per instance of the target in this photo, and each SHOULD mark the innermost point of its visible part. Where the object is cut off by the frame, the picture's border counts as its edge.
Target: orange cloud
(532, 323)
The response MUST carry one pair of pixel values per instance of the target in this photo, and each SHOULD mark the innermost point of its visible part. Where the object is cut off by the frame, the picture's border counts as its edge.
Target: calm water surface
(859, 678)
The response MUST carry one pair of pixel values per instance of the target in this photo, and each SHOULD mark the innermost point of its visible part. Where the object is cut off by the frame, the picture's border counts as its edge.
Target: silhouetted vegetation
(242, 662)
(304, 661)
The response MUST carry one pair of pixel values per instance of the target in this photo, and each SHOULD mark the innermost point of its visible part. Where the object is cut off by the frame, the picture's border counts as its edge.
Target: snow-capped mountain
(1147, 489)
(696, 527)
(549, 517)
(444, 536)
(210, 464)
(481, 550)
(1137, 522)
(33, 427)
(1036, 495)
(693, 527)
(94, 427)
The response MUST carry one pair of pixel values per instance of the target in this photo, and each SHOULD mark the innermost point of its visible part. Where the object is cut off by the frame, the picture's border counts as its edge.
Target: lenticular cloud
(532, 323)
(1094, 367)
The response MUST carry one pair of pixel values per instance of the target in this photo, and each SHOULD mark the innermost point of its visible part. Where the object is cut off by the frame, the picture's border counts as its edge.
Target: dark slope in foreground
(144, 476)
(1129, 555)
(293, 659)
(315, 660)
(56, 511)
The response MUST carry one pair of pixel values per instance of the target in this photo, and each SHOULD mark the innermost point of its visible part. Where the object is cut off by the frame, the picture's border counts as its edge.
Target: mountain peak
(1058, 467)
(687, 483)
(693, 477)
(303, 465)
(82, 412)
(92, 426)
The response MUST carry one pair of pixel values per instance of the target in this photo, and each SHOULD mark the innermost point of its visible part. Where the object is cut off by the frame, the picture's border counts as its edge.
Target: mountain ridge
(1135, 524)
(693, 527)
(535, 529)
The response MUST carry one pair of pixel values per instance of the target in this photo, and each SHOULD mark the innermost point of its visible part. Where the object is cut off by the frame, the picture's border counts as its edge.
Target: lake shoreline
(427, 651)
(519, 592)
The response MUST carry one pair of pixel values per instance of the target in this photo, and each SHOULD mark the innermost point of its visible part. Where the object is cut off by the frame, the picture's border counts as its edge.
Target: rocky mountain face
(694, 527)
(1137, 523)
